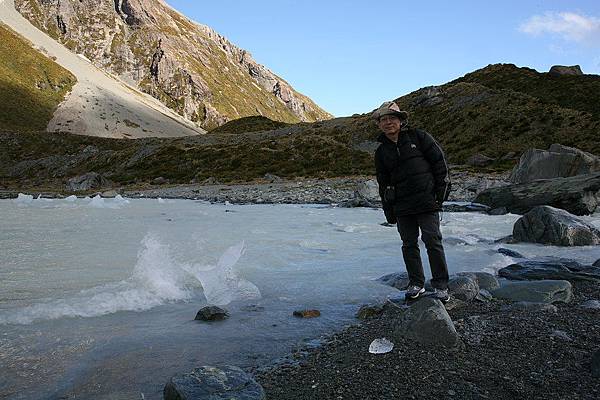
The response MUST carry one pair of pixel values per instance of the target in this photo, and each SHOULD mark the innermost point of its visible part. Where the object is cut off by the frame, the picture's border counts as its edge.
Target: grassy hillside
(31, 85)
(35, 159)
(470, 118)
(575, 92)
(249, 124)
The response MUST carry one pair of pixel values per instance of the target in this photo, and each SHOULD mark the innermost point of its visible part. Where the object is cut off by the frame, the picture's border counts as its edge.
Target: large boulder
(365, 195)
(570, 70)
(578, 195)
(557, 162)
(484, 280)
(550, 291)
(550, 269)
(89, 181)
(368, 190)
(479, 160)
(211, 383)
(466, 185)
(549, 225)
(464, 288)
(426, 321)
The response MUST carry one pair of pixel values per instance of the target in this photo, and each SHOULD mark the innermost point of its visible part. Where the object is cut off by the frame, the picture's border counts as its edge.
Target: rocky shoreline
(508, 353)
(271, 190)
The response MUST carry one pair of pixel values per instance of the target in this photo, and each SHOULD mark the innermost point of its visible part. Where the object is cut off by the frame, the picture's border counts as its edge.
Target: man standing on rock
(413, 182)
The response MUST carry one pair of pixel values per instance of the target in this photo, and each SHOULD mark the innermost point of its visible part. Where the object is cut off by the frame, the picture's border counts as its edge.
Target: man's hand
(389, 214)
(439, 197)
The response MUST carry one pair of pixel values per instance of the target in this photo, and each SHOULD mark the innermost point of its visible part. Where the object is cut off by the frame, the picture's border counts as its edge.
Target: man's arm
(383, 180)
(439, 167)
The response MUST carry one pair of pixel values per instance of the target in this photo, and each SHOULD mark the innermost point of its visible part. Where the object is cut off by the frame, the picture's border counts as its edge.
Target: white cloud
(567, 25)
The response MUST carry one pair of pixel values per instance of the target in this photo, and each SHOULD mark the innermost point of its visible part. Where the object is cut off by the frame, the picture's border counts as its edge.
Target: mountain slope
(575, 92)
(470, 118)
(466, 117)
(99, 104)
(32, 85)
(187, 66)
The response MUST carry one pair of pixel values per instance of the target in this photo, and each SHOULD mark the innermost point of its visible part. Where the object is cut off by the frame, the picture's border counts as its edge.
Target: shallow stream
(98, 296)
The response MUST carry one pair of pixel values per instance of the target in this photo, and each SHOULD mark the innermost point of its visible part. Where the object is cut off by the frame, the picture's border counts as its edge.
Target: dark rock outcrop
(510, 253)
(557, 162)
(549, 225)
(427, 322)
(211, 383)
(578, 195)
(498, 211)
(479, 160)
(568, 270)
(560, 70)
(550, 291)
(469, 207)
(91, 180)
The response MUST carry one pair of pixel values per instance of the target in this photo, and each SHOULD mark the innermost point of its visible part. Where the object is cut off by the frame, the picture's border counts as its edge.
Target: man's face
(390, 125)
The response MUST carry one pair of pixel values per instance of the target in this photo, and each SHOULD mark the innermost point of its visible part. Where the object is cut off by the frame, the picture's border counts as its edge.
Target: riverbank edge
(508, 354)
(465, 186)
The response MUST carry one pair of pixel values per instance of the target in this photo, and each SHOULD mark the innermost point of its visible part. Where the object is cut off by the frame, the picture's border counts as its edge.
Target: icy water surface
(98, 296)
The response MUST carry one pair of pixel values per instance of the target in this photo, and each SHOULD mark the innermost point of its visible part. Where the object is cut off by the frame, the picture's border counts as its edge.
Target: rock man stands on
(413, 182)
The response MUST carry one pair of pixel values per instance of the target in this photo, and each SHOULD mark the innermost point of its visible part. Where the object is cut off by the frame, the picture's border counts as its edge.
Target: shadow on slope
(31, 85)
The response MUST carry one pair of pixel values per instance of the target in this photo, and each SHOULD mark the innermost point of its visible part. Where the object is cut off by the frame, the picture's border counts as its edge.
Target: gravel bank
(465, 186)
(508, 355)
(309, 191)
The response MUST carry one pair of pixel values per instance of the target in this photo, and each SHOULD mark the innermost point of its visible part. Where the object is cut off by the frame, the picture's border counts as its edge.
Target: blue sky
(350, 56)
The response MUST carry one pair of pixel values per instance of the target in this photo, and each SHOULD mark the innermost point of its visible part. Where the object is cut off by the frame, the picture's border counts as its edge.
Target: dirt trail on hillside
(99, 104)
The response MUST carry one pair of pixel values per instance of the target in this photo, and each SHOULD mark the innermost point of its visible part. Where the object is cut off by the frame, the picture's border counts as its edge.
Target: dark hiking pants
(429, 223)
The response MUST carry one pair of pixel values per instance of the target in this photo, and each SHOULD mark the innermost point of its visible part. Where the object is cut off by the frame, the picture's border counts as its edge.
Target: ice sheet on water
(100, 202)
(314, 245)
(222, 283)
(23, 199)
(356, 228)
(157, 278)
(26, 200)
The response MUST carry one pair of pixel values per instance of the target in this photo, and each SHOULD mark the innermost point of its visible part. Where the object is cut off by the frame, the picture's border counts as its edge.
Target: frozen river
(98, 296)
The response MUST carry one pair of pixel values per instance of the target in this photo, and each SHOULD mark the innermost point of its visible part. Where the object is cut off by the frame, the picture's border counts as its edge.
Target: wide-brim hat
(389, 108)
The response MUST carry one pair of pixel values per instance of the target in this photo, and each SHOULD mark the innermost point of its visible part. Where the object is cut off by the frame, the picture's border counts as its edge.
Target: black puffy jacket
(414, 171)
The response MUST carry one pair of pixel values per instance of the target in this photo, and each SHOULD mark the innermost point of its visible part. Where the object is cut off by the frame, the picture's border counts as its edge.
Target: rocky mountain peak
(187, 66)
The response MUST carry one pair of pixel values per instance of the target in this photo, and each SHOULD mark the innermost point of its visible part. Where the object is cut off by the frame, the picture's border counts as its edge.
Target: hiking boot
(440, 294)
(414, 291)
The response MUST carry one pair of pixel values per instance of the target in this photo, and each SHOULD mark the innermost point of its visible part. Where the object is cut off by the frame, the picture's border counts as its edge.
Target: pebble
(307, 313)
